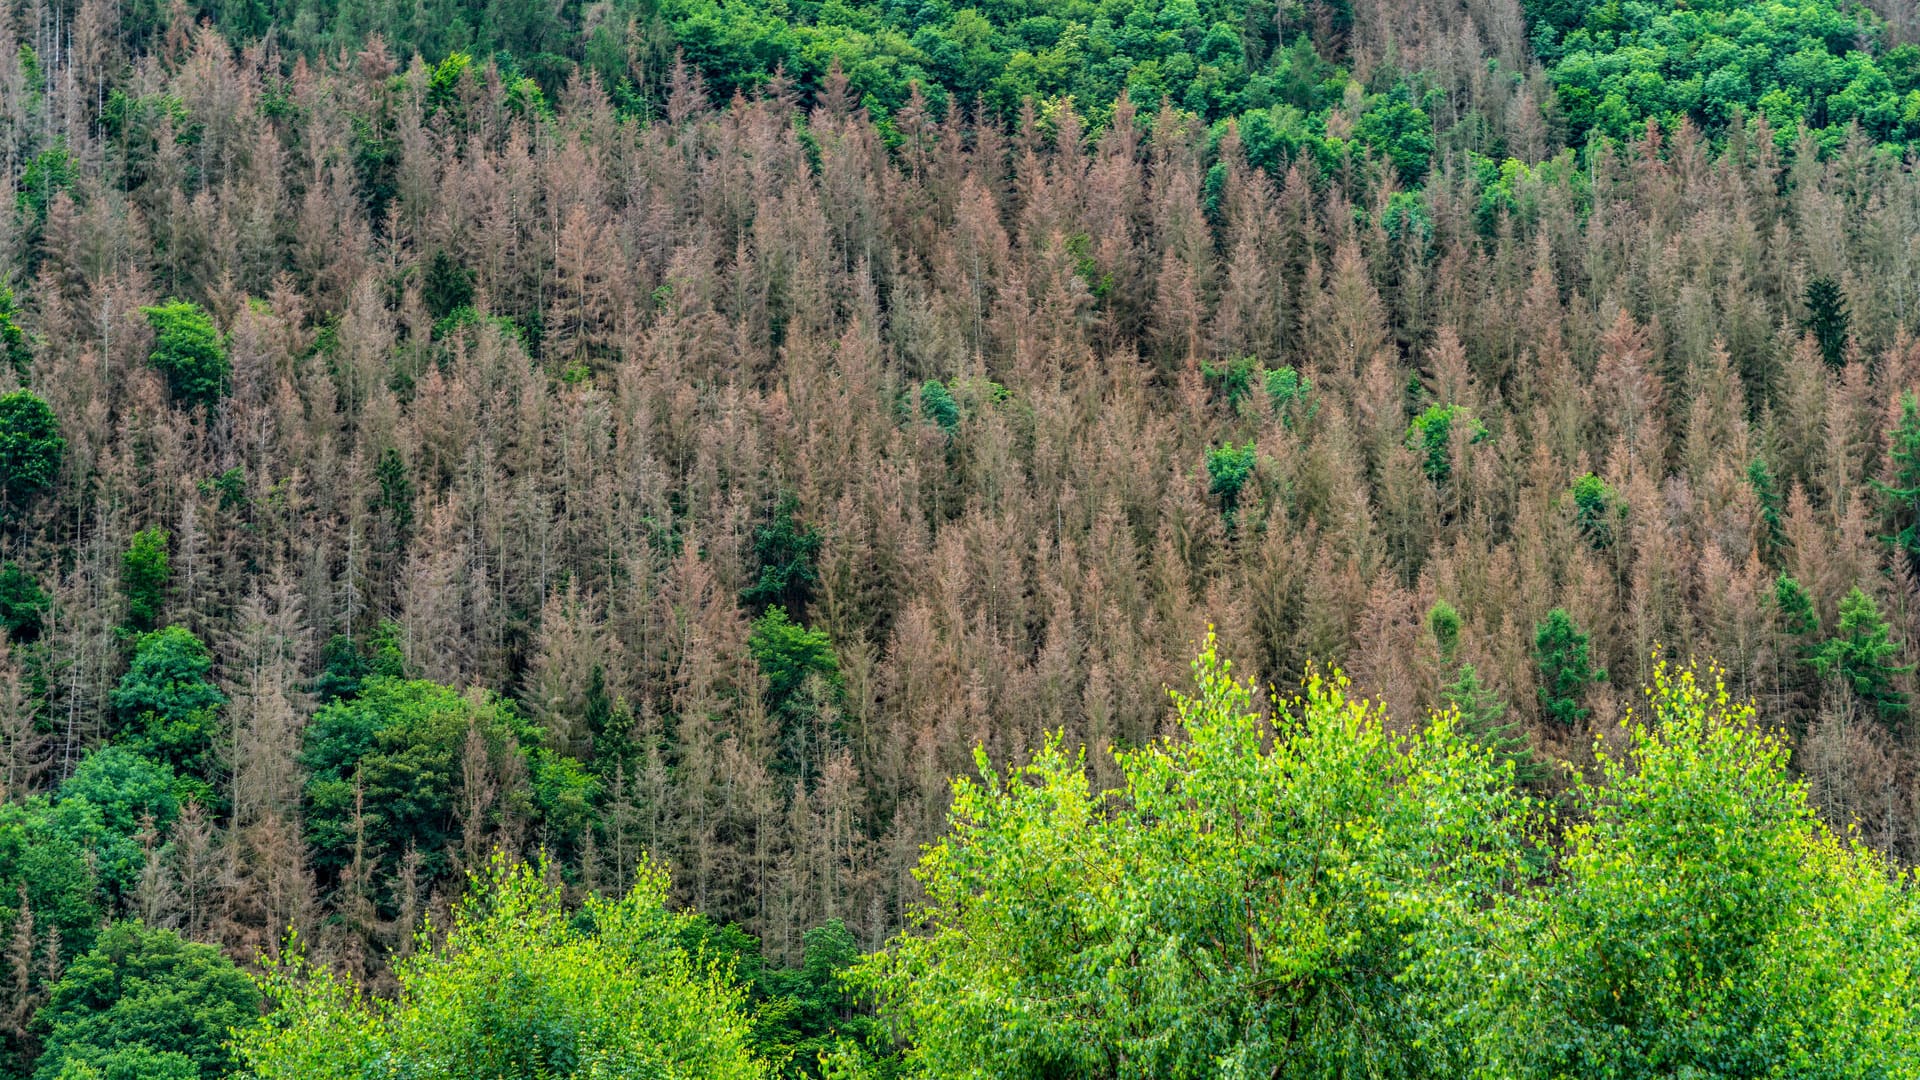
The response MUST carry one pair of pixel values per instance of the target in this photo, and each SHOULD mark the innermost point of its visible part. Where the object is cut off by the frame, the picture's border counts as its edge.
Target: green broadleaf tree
(188, 352)
(31, 447)
(1703, 922)
(520, 987)
(145, 997)
(144, 573)
(1261, 899)
(167, 703)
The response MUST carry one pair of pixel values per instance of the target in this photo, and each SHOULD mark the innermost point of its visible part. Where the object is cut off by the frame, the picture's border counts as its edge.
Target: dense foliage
(519, 987)
(144, 1003)
(1818, 63)
(1294, 895)
(1303, 893)
(447, 437)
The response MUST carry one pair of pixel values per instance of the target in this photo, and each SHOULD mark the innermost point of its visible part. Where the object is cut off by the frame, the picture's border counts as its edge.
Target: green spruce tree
(1772, 515)
(1560, 653)
(1900, 498)
(1859, 656)
(1828, 319)
(1483, 718)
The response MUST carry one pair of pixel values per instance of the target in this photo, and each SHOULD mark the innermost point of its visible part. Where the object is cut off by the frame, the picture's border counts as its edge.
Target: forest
(1097, 539)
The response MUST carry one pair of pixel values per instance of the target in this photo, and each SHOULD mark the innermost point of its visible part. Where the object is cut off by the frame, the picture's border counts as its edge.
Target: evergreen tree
(1560, 654)
(447, 286)
(1900, 499)
(396, 495)
(1483, 718)
(1772, 519)
(1795, 608)
(1859, 656)
(1828, 319)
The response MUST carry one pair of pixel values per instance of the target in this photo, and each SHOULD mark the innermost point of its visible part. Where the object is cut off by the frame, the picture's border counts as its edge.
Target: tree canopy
(520, 987)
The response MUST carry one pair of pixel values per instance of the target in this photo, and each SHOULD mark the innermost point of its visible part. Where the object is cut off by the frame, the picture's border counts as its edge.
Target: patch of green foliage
(1617, 64)
(1594, 508)
(144, 573)
(1860, 654)
(31, 448)
(168, 707)
(145, 1003)
(1431, 436)
(520, 987)
(386, 768)
(1560, 655)
(1228, 469)
(189, 353)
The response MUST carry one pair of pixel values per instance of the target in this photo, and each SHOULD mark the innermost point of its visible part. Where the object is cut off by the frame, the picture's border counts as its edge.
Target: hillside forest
(1090, 539)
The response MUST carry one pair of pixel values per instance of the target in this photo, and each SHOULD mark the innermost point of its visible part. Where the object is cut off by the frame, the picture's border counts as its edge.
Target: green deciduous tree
(1289, 394)
(785, 551)
(793, 659)
(389, 768)
(14, 345)
(1560, 654)
(1594, 508)
(1228, 468)
(189, 353)
(144, 995)
(144, 573)
(937, 405)
(520, 987)
(1860, 655)
(128, 790)
(811, 1006)
(1431, 436)
(1261, 899)
(788, 654)
(1443, 622)
(23, 603)
(167, 703)
(31, 447)
(1703, 921)
(1233, 380)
